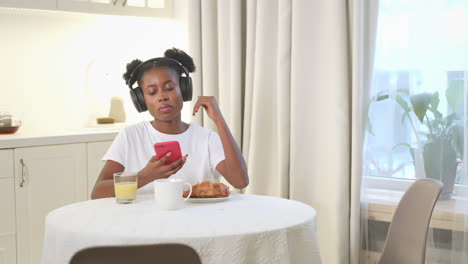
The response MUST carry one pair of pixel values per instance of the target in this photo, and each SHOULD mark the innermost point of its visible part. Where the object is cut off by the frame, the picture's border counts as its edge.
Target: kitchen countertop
(25, 138)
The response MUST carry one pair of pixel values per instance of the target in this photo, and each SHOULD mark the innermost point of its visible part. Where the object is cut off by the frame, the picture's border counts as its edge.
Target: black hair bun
(182, 57)
(130, 67)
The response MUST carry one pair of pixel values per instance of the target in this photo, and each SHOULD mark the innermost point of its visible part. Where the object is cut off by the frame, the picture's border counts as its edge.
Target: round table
(243, 229)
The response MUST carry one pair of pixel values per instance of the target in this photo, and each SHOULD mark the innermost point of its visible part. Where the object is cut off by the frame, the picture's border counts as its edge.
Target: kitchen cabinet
(46, 178)
(33, 4)
(6, 163)
(149, 8)
(95, 151)
(7, 249)
(7, 208)
(37, 175)
(7, 220)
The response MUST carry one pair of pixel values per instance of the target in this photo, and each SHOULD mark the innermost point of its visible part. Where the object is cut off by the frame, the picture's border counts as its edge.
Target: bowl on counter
(9, 124)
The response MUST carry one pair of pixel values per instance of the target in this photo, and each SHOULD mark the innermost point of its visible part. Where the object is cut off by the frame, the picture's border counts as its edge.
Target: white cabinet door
(95, 151)
(7, 208)
(47, 177)
(35, 4)
(149, 8)
(7, 249)
(7, 218)
(6, 163)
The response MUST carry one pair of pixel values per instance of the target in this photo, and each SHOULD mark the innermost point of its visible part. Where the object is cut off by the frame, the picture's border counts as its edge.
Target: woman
(207, 154)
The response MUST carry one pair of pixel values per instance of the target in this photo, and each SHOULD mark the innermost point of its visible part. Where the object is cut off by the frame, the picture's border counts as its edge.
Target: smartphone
(163, 148)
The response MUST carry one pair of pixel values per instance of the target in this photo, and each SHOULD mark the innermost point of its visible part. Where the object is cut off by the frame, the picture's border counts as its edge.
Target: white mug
(168, 193)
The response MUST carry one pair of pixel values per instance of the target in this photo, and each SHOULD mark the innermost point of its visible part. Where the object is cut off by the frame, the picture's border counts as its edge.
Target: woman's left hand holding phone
(158, 169)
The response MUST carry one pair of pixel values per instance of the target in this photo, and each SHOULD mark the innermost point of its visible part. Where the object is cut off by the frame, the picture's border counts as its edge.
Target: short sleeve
(118, 149)
(215, 148)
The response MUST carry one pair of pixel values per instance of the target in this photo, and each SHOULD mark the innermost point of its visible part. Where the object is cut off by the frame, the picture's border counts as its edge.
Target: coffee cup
(168, 193)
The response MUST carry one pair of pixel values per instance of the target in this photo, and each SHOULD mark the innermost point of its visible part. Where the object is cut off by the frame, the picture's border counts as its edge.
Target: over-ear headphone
(138, 99)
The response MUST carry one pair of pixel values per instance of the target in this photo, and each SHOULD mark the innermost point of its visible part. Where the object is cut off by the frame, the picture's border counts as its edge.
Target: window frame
(400, 184)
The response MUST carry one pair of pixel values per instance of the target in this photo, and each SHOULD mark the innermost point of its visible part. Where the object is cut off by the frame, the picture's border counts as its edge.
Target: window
(418, 50)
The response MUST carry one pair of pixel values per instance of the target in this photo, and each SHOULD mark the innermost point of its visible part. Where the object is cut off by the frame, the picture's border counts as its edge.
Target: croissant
(208, 189)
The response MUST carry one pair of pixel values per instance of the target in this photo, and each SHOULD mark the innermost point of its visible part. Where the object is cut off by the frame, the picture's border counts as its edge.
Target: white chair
(407, 235)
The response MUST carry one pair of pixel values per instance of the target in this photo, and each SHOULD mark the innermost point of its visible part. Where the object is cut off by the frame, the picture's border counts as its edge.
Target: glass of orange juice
(125, 184)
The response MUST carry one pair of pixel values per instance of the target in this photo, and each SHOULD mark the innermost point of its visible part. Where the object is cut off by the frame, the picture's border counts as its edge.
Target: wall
(60, 69)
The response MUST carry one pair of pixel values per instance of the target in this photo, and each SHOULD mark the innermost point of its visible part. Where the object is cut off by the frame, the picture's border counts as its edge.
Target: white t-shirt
(133, 148)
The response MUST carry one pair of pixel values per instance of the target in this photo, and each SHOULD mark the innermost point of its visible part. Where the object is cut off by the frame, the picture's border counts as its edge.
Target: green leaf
(457, 138)
(403, 91)
(402, 103)
(385, 94)
(434, 102)
(382, 97)
(369, 127)
(388, 91)
(380, 94)
(454, 94)
(437, 114)
(401, 144)
(405, 114)
(420, 104)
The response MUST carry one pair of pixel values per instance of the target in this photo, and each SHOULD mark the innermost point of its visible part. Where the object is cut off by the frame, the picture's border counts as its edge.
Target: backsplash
(60, 69)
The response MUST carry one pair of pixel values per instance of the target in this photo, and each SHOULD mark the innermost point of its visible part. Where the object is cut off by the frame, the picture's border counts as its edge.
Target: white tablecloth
(243, 229)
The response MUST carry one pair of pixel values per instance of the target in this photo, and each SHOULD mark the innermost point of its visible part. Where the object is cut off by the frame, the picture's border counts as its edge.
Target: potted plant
(439, 137)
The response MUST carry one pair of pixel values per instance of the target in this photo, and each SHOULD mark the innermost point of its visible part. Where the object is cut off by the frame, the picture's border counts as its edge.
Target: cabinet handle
(115, 2)
(124, 3)
(22, 173)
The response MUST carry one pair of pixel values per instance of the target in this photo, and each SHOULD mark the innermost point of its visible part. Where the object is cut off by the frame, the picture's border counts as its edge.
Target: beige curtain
(215, 42)
(283, 75)
(320, 121)
(266, 144)
(362, 15)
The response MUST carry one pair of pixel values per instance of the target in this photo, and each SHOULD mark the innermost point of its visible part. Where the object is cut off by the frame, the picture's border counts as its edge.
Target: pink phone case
(163, 148)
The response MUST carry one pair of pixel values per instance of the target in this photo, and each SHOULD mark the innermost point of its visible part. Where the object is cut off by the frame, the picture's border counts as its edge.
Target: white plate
(207, 200)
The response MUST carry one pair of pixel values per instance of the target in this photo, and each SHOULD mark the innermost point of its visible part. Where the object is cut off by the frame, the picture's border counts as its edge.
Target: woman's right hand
(158, 169)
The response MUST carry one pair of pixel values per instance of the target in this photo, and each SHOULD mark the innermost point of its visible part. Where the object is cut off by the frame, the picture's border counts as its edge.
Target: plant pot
(440, 163)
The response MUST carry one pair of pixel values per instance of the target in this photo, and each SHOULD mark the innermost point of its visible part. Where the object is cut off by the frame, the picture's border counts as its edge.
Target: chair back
(407, 234)
(137, 254)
